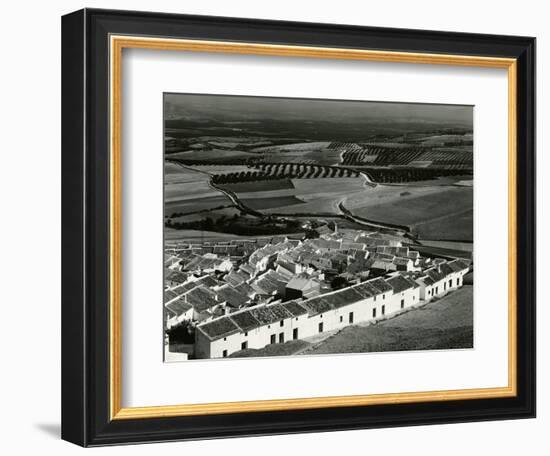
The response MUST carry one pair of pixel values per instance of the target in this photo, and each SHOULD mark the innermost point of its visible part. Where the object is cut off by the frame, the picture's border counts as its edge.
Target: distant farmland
(438, 212)
(188, 191)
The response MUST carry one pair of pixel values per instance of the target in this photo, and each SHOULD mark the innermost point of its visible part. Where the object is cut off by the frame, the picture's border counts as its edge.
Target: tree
(339, 282)
(182, 333)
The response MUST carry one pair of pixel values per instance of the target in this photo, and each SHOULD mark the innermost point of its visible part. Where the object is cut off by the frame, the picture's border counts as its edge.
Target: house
(383, 266)
(403, 264)
(171, 261)
(203, 301)
(174, 278)
(248, 269)
(270, 283)
(261, 325)
(443, 277)
(207, 263)
(235, 278)
(177, 310)
(290, 264)
(300, 287)
(406, 293)
(232, 297)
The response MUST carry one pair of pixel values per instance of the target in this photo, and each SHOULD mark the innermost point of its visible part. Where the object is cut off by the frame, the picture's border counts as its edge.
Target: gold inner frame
(117, 44)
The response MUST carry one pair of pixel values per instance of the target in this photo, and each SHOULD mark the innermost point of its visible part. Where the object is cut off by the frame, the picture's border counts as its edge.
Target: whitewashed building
(442, 278)
(258, 326)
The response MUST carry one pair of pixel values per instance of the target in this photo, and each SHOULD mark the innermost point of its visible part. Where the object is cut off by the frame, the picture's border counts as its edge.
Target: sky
(225, 108)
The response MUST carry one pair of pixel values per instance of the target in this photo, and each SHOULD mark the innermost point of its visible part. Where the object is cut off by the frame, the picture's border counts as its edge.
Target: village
(226, 297)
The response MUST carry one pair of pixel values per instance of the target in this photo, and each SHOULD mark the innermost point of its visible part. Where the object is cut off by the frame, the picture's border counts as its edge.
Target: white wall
(30, 189)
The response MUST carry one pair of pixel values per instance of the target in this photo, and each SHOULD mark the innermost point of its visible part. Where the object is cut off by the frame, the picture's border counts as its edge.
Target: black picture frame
(85, 228)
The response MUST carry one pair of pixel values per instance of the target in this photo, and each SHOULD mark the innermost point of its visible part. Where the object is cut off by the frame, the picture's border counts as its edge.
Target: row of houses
(261, 325)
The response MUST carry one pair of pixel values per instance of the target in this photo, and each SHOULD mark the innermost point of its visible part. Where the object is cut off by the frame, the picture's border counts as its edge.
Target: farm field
(425, 209)
(195, 204)
(315, 195)
(213, 214)
(188, 191)
(259, 186)
(221, 169)
(271, 202)
(454, 227)
(294, 147)
(322, 195)
(210, 154)
(461, 180)
(317, 153)
(456, 245)
(171, 235)
(443, 324)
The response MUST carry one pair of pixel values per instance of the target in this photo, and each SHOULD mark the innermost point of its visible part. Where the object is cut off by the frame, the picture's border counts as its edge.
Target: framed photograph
(277, 227)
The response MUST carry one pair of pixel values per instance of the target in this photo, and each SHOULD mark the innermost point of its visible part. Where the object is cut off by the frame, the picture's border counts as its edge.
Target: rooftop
(400, 283)
(294, 308)
(245, 320)
(221, 327)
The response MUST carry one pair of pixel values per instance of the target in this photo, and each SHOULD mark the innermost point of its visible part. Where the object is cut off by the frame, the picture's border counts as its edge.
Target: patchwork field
(172, 236)
(221, 169)
(188, 191)
(322, 195)
(288, 196)
(438, 210)
(273, 202)
(259, 186)
(210, 154)
(317, 153)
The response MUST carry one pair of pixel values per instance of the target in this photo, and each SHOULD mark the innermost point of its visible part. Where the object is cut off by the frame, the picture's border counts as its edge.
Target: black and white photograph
(306, 226)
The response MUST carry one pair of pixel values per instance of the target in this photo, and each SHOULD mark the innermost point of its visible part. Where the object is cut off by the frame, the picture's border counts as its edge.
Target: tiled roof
(427, 280)
(264, 315)
(270, 282)
(279, 311)
(301, 283)
(459, 265)
(402, 261)
(235, 278)
(169, 295)
(232, 296)
(221, 327)
(178, 306)
(342, 298)
(381, 284)
(248, 269)
(434, 274)
(383, 256)
(246, 289)
(366, 290)
(175, 276)
(288, 275)
(316, 306)
(399, 284)
(201, 299)
(245, 320)
(294, 308)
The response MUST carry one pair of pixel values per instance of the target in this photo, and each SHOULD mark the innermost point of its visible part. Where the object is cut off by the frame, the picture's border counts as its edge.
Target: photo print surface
(300, 227)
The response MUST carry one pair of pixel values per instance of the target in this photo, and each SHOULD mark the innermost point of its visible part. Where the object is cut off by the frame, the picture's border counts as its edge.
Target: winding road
(343, 211)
